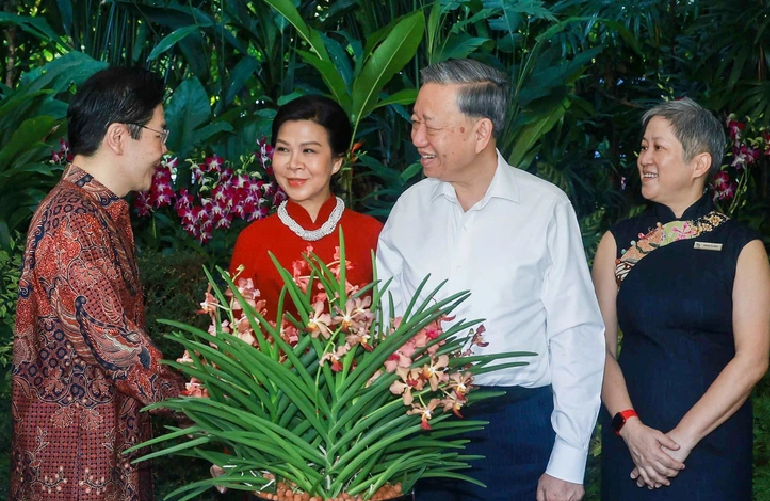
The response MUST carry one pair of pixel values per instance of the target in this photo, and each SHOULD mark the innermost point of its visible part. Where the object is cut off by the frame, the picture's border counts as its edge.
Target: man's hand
(555, 489)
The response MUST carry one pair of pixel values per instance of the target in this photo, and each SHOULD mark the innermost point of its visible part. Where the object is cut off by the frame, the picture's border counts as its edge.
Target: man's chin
(431, 172)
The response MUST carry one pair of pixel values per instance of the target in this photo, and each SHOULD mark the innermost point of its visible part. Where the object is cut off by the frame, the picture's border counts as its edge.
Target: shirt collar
(503, 185)
(82, 179)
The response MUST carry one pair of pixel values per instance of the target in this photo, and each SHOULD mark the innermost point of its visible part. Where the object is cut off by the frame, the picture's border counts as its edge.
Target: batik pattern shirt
(83, 365)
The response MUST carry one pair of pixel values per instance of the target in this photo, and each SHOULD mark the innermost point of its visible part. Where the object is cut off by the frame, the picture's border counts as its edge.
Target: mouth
(427, 157)
(296, 183)
(649, 175)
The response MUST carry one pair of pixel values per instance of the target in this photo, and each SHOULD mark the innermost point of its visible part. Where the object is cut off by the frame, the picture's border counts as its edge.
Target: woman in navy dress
(690, 290)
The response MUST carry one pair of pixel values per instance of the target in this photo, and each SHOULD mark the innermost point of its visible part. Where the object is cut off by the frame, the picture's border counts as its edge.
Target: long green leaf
(170, 40)
(386, 60)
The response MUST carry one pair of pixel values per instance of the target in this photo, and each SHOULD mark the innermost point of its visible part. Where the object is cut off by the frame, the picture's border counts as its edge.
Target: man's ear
(482, 134)
(116, 138)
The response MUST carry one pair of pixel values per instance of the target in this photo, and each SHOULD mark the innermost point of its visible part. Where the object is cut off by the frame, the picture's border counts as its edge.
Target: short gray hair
(483, 92)
(695, 127)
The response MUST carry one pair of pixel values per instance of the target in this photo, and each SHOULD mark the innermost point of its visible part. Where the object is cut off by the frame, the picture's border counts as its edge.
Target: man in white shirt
(513, 240)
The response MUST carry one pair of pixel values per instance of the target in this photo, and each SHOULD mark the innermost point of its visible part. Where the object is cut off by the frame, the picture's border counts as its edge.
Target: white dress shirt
(520, 253)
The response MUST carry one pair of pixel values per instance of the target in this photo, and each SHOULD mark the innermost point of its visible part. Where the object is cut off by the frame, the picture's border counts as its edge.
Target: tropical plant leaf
(187, 110)
(170, 40)
(30, 133)
(459, 46)
(403, 97)
(396, 50)
(71, 68)
(36, 26)
(528, 135)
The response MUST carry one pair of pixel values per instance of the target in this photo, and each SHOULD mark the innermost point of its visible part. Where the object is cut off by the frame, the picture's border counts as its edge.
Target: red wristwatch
(619, 420)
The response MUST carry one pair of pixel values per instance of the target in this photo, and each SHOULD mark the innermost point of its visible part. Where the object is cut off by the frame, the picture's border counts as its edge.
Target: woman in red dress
(311, 135)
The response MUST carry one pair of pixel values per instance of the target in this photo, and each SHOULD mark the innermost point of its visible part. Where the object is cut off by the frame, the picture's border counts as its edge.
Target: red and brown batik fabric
(83, 365)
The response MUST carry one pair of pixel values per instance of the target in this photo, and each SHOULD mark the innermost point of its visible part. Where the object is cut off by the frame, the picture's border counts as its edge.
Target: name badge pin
(709, 246)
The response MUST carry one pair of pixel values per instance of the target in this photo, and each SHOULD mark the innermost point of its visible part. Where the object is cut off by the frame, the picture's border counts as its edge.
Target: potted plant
(336, 402)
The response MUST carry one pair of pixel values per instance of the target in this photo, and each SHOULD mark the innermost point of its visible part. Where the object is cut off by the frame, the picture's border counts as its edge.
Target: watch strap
(619, 420)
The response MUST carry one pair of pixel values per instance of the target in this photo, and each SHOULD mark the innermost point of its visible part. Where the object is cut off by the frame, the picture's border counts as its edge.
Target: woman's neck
(313, 206)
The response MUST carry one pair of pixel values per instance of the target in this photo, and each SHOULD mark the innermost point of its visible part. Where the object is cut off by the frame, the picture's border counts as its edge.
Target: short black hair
(323, 111)
(119, 94)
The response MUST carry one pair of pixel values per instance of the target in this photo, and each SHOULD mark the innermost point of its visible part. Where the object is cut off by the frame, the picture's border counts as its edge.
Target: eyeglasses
(163, 133)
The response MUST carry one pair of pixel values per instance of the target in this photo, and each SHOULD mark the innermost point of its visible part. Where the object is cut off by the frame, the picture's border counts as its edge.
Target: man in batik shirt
(83, 364)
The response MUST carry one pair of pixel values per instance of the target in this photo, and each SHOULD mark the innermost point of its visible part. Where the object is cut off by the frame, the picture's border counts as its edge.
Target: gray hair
(695, 127)
(483, 92)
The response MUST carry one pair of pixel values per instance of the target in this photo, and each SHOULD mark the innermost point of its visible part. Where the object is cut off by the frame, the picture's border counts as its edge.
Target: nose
(645, 157)
(419, 137)
(295, 162)
(164, 149)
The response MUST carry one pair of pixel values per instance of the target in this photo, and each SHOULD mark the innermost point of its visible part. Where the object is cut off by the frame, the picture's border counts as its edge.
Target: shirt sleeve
(77, 268)
(575, 346)
(389, 262)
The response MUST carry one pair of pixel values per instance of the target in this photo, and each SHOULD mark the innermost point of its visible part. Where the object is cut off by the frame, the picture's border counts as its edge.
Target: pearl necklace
(312, 235)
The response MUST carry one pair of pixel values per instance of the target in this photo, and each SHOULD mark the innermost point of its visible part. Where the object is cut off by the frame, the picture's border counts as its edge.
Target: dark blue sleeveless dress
(675, 313)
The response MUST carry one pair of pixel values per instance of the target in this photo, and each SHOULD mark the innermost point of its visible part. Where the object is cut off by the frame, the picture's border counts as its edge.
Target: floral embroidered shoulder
(664, 234)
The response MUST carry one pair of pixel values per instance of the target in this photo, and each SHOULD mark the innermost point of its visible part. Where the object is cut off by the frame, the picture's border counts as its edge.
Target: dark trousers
(516, 445)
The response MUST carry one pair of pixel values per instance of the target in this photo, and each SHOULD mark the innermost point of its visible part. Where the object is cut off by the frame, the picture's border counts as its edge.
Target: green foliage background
(583, 72)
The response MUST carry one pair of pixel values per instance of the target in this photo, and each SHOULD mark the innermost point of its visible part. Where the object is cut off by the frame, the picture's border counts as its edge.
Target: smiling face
(303, 163)
(666, 177)
(443, 136)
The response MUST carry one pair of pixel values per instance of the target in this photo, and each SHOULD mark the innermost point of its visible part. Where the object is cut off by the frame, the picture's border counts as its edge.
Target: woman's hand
(685, 448)
(686, 445)
(648, 449)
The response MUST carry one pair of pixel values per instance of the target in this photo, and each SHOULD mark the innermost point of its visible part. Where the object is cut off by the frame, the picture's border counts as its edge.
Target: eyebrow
(306, 143)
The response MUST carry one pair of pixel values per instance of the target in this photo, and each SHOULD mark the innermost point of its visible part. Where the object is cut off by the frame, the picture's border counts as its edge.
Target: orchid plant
(219, 192)
(216, 194)
(749, 145)
(334, 402)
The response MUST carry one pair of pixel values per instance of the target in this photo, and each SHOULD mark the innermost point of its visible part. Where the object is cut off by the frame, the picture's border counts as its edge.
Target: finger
(665, 470)
(651, 477)
(668, 442)
(642, 479)
(635, 473)
(655, 477)
(540, 493)
(667, 461)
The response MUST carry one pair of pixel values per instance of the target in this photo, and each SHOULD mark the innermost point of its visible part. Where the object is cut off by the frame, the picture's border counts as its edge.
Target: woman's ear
(337, 165)
(702, 164)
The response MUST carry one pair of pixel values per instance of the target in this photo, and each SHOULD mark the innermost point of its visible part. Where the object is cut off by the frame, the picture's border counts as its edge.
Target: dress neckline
(702, 206)
(302, 217)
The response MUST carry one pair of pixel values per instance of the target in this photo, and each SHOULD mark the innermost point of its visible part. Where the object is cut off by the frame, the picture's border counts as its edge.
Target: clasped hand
(658, 456)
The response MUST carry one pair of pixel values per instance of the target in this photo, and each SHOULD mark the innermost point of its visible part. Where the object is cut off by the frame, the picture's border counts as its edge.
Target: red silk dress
(271, 235)
(83, 365)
